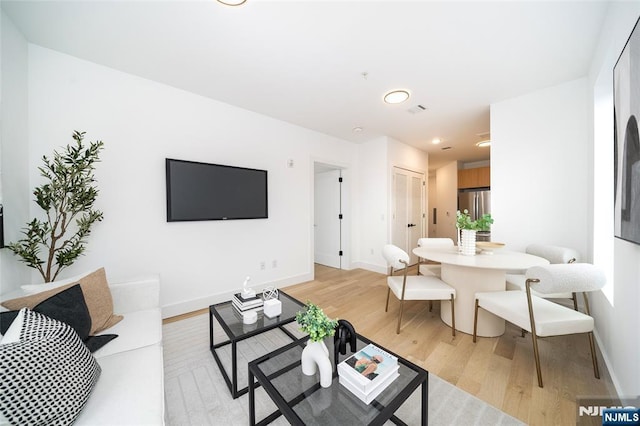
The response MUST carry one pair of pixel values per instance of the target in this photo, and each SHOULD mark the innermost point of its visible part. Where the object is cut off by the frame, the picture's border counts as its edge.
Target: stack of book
(368, 372)
(242, 304)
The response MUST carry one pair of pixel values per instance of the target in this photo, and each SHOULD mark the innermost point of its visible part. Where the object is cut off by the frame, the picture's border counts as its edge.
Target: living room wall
(14, 177)
(539, 190)
(143, 122)
(615, 309)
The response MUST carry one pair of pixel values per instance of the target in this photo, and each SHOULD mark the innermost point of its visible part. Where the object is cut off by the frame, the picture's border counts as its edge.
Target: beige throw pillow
(96, 294)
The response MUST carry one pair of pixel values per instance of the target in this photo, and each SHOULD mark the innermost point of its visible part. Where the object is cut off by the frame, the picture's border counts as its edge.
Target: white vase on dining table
(468, 242)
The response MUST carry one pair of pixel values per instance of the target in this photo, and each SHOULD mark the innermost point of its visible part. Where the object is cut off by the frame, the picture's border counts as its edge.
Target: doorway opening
(329, 219)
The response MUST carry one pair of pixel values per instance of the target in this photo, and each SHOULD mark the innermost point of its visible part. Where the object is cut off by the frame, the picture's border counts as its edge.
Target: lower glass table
(231, 322)
(302, 401)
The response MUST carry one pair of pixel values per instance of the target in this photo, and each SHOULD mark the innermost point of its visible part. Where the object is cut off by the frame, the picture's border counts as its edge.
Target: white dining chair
(555, 255)
(414, 287)
(433, 269)
(539, 316)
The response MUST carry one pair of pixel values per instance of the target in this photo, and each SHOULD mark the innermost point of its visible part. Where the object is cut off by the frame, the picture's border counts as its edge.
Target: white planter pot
(315, 357)
(468, 242)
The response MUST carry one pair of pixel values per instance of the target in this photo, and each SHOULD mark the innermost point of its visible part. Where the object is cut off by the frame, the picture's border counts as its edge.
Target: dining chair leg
(386, 308)
(574, 297)
(400, 316)
(453, 318)
(536, 355)
(594, 358)
(430, 305)
(475, 322)
(586, 304)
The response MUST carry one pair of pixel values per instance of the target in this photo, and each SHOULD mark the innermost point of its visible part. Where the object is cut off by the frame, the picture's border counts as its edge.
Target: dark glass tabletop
(302, 401)
(233, 326)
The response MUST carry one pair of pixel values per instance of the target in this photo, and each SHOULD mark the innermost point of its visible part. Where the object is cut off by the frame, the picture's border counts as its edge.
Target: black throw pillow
(6, 318)
(68, 306)
(96, 342)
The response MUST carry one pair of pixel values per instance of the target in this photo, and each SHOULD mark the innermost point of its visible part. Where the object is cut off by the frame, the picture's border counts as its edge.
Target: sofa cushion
(136, 330)
(97, 296)
(47, 375)
(69, 307)
(129, 392)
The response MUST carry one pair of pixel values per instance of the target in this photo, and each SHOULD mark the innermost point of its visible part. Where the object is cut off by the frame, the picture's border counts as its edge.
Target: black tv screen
(202, 191)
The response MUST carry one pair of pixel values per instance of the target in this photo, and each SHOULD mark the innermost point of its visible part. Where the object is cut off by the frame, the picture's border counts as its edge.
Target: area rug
(196, 393)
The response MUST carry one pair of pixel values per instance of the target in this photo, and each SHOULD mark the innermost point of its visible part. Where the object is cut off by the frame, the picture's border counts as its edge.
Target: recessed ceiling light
(232, 2)
(484, 144)
(357, 129)
(436, 141)
(396, 96)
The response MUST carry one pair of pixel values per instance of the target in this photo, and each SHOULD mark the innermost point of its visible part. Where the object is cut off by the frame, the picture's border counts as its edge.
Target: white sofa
(130, 390)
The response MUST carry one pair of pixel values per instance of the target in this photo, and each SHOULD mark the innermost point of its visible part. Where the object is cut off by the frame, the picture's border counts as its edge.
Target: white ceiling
(303, 61)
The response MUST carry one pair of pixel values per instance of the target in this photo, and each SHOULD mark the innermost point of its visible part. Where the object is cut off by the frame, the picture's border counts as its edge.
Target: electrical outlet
(274, 264)
(262, 265)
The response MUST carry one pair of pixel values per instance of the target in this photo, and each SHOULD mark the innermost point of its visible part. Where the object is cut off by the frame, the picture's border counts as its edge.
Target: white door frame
(423, 206)
(346, 210)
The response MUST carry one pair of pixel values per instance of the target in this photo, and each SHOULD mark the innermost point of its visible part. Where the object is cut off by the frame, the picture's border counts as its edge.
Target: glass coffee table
(302, 401)
(236, 331)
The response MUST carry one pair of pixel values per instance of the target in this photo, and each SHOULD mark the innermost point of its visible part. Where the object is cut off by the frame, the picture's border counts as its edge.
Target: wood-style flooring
(498, 370)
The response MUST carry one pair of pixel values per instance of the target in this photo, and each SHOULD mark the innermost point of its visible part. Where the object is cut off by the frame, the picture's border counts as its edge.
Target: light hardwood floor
(498, 370)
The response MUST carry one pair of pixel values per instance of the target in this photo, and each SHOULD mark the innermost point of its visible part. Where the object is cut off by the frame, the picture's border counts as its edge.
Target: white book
(367, 367)
(367, 398)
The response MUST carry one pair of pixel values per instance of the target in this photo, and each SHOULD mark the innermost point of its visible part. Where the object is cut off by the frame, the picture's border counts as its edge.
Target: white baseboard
(370, 267)
(607, 362)
(192, 305)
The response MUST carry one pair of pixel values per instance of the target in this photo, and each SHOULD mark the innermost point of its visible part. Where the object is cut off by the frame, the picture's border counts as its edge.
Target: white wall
(371, 205)
(539, 157)
(432, 193)
(447, 204)
(15, 191)
(616, 308)
(141, 123)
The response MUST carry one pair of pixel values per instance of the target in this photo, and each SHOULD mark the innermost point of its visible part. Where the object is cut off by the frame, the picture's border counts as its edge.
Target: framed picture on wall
(626, 111)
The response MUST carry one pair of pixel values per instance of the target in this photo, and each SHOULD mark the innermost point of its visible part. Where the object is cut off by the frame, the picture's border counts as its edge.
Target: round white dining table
(472, 274)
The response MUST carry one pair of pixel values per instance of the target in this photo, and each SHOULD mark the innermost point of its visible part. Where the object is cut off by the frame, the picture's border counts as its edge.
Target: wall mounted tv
(202, 191)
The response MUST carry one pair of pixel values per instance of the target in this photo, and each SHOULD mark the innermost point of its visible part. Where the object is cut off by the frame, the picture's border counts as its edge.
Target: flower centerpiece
(467, 229)
(315, 356)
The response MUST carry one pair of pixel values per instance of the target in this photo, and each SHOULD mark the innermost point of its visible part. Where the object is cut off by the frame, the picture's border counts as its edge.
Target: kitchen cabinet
(478, 177)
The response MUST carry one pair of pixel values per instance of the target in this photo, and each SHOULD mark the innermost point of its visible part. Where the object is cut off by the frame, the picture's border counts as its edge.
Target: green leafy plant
(463, 221)
(315, 322)
(68, 195)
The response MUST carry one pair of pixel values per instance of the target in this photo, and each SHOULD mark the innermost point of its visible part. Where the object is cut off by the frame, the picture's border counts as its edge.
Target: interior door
(408, 210)
(327, 222)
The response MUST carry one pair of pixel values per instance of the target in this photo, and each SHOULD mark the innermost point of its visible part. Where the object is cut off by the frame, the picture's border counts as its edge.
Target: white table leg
(468, 281)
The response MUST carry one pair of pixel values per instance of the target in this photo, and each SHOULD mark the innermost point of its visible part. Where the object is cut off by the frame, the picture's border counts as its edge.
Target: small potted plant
(467, 229)
(463, 221)
(315, 356)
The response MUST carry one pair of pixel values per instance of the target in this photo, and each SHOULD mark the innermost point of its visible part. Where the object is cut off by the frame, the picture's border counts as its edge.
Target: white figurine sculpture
(246, 291)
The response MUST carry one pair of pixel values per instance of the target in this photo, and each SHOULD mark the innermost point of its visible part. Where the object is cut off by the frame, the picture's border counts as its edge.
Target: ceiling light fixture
(484, 144)
(232, 2)
(396, 96)
(436, 141)
(357, 129)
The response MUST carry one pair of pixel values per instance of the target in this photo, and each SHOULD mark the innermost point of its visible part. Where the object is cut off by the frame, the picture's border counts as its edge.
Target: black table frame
(386, 412)
(232, 382)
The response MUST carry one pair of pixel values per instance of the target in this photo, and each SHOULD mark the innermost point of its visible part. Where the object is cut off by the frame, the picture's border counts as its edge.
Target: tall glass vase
(468, 242)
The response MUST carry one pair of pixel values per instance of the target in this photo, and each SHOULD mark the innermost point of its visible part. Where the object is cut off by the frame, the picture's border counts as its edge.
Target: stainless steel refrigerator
(478, 202)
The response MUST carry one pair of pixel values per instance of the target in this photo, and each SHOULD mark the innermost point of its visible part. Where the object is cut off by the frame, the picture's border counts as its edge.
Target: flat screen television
(202, 191)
